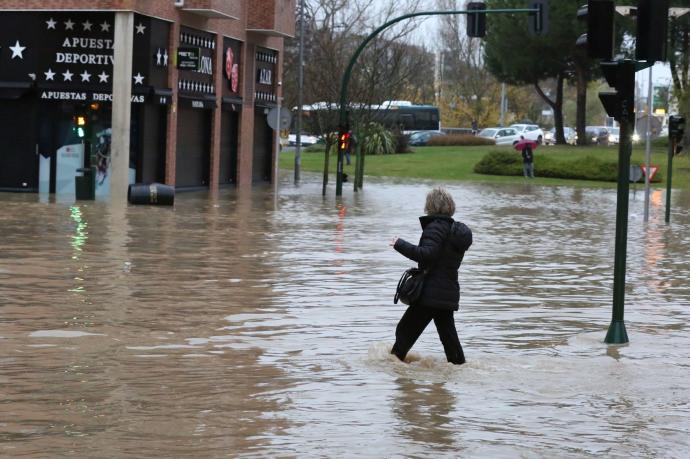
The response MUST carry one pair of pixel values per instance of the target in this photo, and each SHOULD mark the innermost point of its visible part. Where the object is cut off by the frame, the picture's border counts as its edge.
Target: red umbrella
(522, 143)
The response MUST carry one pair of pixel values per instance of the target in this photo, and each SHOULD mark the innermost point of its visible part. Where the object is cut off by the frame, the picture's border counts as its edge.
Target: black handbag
(410, 286)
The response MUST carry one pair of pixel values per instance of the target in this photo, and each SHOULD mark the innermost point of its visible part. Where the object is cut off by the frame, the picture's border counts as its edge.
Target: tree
(514, 56)
(679, 61)
(388, 69)
(466, 91)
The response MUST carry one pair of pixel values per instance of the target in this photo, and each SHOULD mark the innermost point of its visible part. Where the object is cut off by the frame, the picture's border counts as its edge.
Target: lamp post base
(616, 333)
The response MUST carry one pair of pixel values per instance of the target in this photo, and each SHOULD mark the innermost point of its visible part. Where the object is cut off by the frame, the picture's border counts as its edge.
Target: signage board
(188, 58)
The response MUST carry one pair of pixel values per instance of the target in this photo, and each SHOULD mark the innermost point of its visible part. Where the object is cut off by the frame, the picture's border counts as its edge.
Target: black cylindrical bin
(85, 184)
(154, 193)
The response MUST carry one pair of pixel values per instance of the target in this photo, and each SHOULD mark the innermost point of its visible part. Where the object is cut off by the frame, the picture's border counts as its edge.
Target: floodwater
(246, 326)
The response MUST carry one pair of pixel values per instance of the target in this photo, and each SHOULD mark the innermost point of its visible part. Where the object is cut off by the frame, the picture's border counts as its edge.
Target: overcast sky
(426, 33)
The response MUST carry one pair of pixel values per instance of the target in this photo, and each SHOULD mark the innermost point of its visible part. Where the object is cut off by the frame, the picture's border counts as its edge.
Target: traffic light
(652, 25)
(619, 104)
(676, 127)
(476, 22)
(539, 21)
(344, 140)
(80, 124)
(599, 38)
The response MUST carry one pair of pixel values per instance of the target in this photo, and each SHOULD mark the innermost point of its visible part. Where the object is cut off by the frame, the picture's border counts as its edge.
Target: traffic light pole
(343, 115)
(669, 175)
(616, 333)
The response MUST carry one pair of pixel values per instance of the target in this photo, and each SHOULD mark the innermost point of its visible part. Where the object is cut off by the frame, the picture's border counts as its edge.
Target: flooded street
(249, 326)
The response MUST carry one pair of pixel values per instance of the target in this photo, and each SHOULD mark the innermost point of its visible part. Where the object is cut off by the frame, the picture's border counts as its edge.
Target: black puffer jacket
(440, 251)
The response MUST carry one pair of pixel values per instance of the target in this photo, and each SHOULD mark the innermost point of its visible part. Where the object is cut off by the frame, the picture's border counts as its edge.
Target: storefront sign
(87, 96)
(188, 58)
(69, 55)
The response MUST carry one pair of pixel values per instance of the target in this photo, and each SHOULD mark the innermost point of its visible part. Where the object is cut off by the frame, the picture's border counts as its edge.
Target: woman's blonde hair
(439, 202)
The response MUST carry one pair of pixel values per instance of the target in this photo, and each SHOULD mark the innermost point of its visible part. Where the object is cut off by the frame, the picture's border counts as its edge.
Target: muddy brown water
(244, 325)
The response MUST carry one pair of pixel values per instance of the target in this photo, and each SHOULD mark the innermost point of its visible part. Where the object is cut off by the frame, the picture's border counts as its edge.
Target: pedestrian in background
(440, 252)
(527, 159)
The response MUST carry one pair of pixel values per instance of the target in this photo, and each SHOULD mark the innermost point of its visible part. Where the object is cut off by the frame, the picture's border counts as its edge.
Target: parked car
(597, 134)
(305, 140)
(421, 138)
(502, 136)
(614, 135)
(530, 132)
(569, 133)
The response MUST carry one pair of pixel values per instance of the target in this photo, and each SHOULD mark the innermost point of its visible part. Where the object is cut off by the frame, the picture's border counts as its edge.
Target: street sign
(652, 171)
(188, 58)
(285, 118)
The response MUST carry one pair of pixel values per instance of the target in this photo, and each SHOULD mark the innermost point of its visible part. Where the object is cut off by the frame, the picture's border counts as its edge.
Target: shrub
(402, 144)
(377, 140)
(459, 140)
(587, 168)
(660, 142)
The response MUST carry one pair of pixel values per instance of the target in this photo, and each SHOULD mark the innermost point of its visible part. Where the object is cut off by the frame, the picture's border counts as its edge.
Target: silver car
(529, 132)
(502, 136)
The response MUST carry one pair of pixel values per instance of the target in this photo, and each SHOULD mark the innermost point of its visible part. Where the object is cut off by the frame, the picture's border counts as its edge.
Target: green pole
(361, 168)
(669, 176)
(325, 169)
(348, 70)
(617, 333)
(358, 161)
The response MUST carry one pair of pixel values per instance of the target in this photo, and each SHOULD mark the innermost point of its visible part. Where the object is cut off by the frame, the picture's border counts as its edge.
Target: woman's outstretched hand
(393, 241)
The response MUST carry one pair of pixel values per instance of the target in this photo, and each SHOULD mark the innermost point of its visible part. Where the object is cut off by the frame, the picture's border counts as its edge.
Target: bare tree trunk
(558, 114)
(556, 106)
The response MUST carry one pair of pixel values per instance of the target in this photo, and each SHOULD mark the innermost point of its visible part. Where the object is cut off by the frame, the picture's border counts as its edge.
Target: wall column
(245, 149)
(122, 105)
(171, 128)
(214, 173)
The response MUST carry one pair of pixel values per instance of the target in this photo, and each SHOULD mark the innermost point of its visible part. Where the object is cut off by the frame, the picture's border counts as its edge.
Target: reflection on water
(243, 325)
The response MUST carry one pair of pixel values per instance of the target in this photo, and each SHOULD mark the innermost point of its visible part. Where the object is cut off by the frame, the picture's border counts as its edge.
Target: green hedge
(459, 140)
(587, 168)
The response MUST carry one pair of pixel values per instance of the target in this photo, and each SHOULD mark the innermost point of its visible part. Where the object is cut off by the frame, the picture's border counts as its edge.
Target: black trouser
(413, 323)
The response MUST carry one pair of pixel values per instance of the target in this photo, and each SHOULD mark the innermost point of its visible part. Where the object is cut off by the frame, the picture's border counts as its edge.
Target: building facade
(204, 75)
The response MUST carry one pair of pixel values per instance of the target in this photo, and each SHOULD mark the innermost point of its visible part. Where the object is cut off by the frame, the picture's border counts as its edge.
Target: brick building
(201, 75)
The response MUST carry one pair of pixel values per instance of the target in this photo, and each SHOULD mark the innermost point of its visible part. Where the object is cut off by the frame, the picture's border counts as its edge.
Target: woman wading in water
(440, 251)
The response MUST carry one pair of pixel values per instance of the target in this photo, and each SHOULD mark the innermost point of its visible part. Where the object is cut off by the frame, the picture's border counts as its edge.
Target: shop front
(231, 109)
(265, 98)
(56, 98)
(196, 103)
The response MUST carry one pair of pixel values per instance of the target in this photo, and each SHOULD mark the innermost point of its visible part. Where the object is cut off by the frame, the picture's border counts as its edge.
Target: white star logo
(103, 77)
(165, 58)
(158, 57)
(32, 76)
(105, 27)
(85, 76)
(86, 25)
(51, 23)
(17, 50)
(138, 78)
(67, 75)
(69, 25)
(140, 28)
(49, 75)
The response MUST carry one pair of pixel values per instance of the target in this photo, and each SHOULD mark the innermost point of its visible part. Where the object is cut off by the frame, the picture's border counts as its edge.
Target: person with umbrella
(527, 147)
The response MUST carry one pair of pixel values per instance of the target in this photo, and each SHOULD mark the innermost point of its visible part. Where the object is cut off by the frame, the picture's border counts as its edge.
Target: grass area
(457, 164)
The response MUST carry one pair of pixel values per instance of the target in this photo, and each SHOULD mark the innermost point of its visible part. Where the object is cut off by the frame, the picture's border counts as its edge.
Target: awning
(232, 104)
(14, 89)
(206, 102)
(162, 96)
